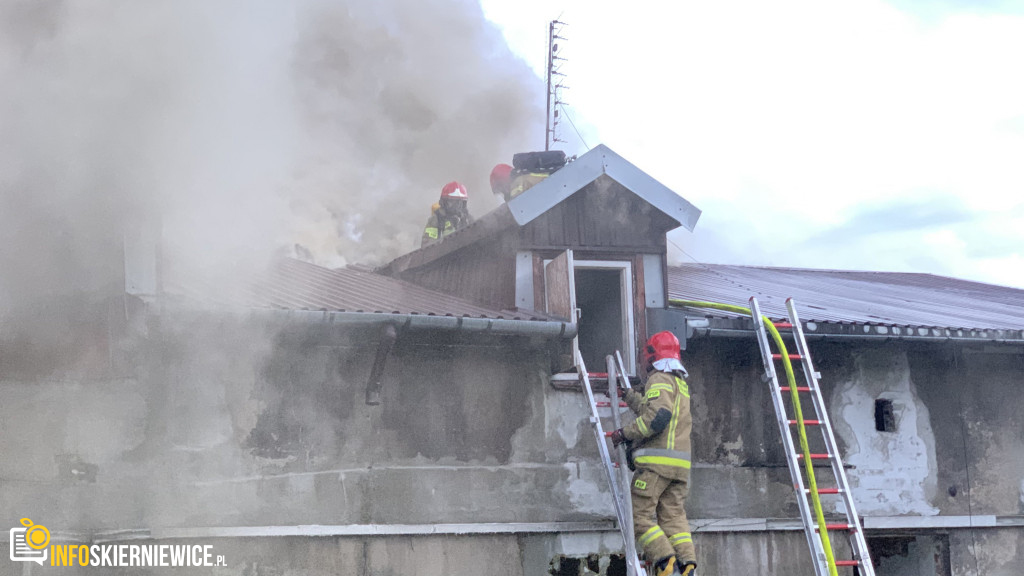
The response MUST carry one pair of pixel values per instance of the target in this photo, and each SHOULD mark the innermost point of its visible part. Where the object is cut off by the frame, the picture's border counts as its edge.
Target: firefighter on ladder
(448, 215)
(659, 441)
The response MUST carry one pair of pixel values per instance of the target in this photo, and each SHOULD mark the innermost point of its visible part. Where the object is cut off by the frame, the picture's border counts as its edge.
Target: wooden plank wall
(484, 273)
(602, 216)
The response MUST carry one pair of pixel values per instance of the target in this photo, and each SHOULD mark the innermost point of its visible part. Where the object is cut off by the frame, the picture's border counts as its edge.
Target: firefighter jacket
(441, 224)
(660, 435)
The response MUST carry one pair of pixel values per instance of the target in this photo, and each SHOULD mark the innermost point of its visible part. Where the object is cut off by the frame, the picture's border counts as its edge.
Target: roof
(291, 284)
(548, 193)
(589, 167)
(894, 299)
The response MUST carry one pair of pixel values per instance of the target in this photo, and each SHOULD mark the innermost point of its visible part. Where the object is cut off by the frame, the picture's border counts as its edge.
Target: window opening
(885, 421)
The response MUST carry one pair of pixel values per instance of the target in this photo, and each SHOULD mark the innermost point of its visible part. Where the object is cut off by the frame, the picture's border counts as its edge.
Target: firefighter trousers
(659, 517)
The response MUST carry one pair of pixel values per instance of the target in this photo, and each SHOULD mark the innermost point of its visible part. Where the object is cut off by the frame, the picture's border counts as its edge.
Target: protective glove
(617, 437)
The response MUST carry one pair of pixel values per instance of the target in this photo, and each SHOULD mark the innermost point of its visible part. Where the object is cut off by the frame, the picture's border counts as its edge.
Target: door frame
(625, 269)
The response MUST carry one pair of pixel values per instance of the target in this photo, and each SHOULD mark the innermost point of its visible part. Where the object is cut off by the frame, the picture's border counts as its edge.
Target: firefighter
(501, 181)
(449, 214)
(659, 442)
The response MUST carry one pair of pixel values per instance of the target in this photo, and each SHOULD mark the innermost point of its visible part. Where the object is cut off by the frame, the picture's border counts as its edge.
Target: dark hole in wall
(599, 298)
(918, 554)
(566, 567)
(885, 421)
(616, 565)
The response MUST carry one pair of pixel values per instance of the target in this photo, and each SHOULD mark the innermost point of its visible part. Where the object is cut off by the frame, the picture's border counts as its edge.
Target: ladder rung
(791, 357)
(597, 374)
(838, 527)
(800, 456)
(808, 422)
(798, 388)
(825, 490)
(607, 404)
(783, 325)
(847, 562)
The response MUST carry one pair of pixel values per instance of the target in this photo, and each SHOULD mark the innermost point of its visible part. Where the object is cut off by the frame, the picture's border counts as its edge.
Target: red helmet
(660, 346)
(454, 190)
(501, 175)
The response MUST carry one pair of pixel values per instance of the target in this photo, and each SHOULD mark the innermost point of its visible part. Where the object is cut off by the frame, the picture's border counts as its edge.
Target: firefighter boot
(689, 569)
(665, 567)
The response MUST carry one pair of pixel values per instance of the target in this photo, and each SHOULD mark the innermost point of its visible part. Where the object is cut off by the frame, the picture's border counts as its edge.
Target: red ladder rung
(847, 562)
(798, 388)
(808, 422)
(791, 357)
(815, 456)
(825, 490)
(607, 404)
(597, 374)
(783, 325)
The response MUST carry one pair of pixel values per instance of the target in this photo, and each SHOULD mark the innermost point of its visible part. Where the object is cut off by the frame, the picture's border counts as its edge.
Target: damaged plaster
(894, 473)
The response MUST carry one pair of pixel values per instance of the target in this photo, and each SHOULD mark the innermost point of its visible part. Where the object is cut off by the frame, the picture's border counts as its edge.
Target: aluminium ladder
(815, 528)
(811, 513)
(618, 474)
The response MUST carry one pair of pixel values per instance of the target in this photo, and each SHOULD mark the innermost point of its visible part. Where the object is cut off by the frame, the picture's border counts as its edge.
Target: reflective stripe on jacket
(661, 431)
(438, 227)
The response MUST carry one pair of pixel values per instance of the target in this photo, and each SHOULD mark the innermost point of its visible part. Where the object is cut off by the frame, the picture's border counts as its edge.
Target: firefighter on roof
(659, 441)
(449, 214)
(501, 181)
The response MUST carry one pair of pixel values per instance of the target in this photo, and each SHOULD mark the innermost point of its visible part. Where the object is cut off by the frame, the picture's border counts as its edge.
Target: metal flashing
(654, 280)
(587, 168)
(315, 530)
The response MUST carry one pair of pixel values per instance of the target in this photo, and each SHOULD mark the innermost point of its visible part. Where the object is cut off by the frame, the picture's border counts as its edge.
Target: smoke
(235, 131)
(240, 129)
(396, 99)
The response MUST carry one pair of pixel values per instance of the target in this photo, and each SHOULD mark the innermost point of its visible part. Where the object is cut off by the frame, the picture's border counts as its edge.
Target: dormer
(585, 244)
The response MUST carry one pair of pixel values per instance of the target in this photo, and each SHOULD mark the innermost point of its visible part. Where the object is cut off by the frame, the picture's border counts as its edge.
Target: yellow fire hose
(795, 396)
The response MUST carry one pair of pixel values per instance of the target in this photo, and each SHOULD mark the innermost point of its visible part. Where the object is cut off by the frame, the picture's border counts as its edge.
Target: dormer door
(560, 287)
(598, 296)
(605, 302)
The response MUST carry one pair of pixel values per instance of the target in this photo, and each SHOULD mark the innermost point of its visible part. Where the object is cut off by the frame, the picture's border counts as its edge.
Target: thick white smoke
(241, 128)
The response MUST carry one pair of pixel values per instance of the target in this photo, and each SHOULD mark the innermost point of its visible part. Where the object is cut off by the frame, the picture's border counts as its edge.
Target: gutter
(550, 329)
(709, 331)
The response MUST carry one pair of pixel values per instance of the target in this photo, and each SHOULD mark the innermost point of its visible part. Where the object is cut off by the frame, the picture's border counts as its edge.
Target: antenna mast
(554, 84)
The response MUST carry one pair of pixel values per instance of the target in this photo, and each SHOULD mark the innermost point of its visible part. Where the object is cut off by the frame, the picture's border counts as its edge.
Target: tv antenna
(555, 85)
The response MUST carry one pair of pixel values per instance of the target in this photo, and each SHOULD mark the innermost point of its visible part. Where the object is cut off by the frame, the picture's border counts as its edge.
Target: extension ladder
(618, 472)
(805, 483)
(811, 513)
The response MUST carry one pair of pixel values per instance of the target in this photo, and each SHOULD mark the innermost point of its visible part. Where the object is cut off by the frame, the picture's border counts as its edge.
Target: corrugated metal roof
(878, 298)
(291, 284)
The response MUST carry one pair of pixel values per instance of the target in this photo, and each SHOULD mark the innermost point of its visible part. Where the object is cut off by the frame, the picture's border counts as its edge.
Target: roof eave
(544, 329)
(732, 327)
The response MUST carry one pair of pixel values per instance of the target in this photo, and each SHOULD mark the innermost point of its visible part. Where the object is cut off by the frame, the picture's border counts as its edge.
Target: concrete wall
(237, 423)
(233, 424)
(958, 448)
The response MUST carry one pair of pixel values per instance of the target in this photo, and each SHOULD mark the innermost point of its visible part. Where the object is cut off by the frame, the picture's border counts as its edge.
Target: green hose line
(795, 396)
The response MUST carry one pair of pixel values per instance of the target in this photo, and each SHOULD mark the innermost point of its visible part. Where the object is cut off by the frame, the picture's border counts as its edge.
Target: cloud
(898, 216)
